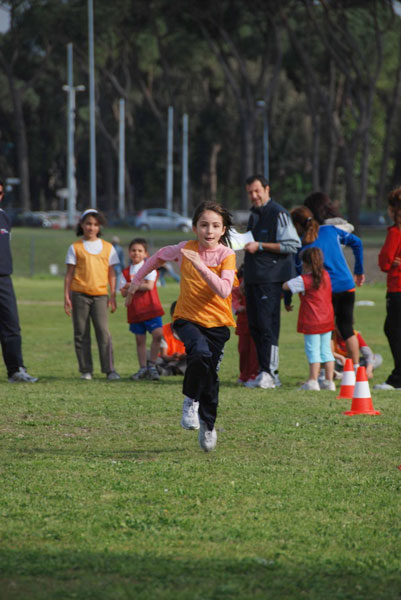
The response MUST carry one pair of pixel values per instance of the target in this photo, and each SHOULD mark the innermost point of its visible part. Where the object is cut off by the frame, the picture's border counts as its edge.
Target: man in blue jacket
(10, 335)
(268, 263)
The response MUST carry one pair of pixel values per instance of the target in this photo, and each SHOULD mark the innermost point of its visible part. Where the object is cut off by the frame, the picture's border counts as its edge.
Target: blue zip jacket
(329, 240)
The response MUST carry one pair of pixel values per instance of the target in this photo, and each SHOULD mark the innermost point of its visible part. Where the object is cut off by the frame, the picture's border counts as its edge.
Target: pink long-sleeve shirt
(221, 286)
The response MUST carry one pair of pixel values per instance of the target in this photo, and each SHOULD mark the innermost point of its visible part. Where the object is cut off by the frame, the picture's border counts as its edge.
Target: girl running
(316, 317)
(203, 311)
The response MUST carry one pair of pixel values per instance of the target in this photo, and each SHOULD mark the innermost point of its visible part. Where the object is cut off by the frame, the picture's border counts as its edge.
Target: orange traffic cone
(348, 380)
(361, 400)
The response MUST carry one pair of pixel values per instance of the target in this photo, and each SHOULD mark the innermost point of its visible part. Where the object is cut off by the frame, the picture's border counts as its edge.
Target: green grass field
(104, 496)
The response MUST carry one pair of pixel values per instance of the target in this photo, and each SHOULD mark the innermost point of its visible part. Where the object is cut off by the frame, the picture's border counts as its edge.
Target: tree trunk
(352, 198)
(21, 144)
(213, 171)
(248, 155)
(390, 121)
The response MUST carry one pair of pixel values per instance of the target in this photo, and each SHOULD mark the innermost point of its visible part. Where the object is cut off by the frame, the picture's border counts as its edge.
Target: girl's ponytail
(313, 258)
(307, 227)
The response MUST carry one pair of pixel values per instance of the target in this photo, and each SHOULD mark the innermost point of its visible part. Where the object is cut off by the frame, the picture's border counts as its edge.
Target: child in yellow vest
(203, 311)
(90, 269)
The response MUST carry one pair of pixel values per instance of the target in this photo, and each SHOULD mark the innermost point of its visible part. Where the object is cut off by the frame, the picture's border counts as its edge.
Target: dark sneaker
(22, 376)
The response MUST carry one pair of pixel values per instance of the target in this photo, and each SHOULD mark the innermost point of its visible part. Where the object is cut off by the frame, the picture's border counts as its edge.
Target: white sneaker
(22, 376)
(141, 374)
(385, 386)
(190, 419)
(326, 384)
(87, 376)
(207, 439)
(263, 380)
(113, 376)
(311, 386)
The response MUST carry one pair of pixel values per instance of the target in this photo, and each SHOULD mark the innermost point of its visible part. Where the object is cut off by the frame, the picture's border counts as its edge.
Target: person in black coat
(10, 333)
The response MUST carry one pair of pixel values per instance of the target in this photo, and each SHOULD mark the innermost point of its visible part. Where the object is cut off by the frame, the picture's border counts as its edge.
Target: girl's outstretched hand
(133, 288)
(192, 256)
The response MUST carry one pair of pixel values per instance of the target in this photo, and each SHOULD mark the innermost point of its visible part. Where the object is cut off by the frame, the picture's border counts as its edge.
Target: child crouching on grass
(144, 313)
(315, 318)
(203, 312)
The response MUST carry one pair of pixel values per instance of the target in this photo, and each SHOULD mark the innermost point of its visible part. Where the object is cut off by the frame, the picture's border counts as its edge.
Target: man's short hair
(257, 177)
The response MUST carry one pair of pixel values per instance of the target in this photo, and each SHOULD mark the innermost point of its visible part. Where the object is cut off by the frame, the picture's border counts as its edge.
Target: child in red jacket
(315, 318)
(145, 311)
(248, 358)
(390, 263)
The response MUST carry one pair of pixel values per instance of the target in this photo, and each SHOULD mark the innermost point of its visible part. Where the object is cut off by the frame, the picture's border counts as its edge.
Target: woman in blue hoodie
(309, 220)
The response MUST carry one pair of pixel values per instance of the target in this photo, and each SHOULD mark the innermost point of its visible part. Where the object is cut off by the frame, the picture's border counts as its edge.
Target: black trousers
(392, 329)
(204, 347)
(10, 333)
(263, 311)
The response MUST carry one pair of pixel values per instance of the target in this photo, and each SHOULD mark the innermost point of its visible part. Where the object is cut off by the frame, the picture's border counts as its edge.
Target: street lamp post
(170, 140)
(262, 105)
(92, 118)
(71, 182)
(185, 165)
(121, 161)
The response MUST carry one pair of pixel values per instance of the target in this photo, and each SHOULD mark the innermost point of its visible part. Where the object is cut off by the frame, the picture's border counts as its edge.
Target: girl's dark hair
(313, 257)
(394, 201)
(306, 226)
(321, 206)
(98, 215)
(220, 210)
(139, 241)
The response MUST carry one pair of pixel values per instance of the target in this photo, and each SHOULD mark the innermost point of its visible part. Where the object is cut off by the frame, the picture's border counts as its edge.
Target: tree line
(325, 75)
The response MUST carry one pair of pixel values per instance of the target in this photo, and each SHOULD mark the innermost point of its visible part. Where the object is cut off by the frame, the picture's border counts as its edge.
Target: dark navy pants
(392, 329)
(10, 333)
(263, 311)
(204, 347)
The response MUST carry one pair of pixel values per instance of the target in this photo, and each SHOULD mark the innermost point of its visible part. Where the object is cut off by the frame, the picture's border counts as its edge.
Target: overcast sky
(4, 20)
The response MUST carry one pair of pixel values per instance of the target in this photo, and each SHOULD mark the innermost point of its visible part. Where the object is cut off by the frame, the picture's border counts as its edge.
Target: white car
(162, 218)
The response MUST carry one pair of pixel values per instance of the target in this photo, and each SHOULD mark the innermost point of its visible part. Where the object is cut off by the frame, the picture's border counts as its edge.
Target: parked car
(30, 219)
(162, 218)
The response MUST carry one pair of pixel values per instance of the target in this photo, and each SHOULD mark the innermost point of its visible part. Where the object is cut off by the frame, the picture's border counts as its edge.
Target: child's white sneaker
(326, 384)
(190, 419)
(152, 372)
(311, 386)
(86, 376)
(141, 374)
(207, 438)
(113, 376)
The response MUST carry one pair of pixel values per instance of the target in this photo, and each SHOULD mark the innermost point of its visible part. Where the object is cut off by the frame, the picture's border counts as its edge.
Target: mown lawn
(104, 496)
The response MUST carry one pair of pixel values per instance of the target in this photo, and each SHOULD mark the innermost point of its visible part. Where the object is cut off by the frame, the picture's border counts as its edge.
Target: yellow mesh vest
(197, 302)
(91, 273)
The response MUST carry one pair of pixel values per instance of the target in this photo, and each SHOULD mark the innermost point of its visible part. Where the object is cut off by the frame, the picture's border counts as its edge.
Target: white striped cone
(347, 381)
(362, 400)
